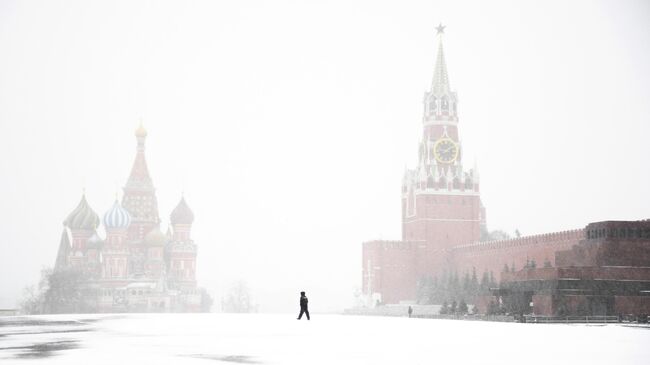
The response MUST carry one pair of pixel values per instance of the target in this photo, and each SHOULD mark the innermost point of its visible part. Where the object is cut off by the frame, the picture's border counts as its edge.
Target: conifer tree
(547, 263)
(462, 307)
(492, 308)
(445, 308)
(456, 288)
(474, 283)
(493, 282)
(485, 282)
(466, 285)
(443, 287)
(423, 290)
(434, 296)
(450, 289)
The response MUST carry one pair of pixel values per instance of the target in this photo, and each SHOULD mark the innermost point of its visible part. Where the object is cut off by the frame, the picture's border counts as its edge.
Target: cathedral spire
(139, 197)
(440, 83)
(139, 177)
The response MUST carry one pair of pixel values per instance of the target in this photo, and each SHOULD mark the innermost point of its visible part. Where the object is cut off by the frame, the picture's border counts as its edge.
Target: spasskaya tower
(441, 204)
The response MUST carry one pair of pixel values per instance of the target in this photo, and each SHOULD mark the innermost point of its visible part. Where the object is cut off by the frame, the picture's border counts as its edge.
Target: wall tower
(441, 203)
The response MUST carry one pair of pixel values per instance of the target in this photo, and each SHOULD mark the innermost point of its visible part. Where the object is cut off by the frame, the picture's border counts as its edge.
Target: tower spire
(440, 82)
(139, 172)
(139, 197)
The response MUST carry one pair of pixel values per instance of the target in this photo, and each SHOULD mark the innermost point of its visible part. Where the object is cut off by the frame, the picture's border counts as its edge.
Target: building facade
(135, 267)
(606, 273)
(444, 221)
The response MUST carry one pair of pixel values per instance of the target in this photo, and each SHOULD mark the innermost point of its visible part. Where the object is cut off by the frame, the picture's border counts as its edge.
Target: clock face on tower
(445, 150)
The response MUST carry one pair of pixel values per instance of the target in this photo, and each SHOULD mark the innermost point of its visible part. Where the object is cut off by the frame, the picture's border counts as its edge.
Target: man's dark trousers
(305, 311)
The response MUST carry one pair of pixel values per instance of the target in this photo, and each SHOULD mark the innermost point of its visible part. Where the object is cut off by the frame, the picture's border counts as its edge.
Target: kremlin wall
(603, 268)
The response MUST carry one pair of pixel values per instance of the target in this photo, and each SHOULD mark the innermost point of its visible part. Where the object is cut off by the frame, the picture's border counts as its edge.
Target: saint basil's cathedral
(136, 267)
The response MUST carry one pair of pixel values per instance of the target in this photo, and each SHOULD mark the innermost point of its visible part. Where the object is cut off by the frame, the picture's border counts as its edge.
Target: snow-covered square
(326, 339)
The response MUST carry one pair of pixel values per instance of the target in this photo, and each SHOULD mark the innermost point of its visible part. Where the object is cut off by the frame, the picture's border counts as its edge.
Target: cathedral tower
(82, 222)
(139, 193)
(182, 250)
(115, 263)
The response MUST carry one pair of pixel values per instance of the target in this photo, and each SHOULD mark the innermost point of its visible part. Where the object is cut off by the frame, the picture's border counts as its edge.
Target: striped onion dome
(155, 237)
(117, 217)
(182, 214)
(82, 217)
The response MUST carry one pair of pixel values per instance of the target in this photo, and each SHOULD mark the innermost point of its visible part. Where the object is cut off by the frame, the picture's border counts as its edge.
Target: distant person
(410, 311)
(303, 305)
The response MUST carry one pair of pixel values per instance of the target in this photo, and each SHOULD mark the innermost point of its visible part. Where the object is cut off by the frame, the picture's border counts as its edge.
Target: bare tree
(238, 299)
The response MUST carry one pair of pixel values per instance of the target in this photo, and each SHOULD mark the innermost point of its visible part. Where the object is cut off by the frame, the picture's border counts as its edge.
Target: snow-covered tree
(445, 308)
(238, 299)
(462, 307)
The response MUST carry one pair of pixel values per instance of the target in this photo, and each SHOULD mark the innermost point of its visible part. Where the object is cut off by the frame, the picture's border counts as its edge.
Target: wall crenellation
(538, 239)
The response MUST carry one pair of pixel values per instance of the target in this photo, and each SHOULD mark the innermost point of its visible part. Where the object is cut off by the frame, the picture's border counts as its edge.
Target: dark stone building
(606, 273)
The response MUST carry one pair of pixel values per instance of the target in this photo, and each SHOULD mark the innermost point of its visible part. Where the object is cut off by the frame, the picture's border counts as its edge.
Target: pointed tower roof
(440, 83)
(139, 177)
(182, 214)
(139, 198)
(64, 251)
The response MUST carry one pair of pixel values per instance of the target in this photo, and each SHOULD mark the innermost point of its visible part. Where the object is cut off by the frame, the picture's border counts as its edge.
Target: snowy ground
(326, 339)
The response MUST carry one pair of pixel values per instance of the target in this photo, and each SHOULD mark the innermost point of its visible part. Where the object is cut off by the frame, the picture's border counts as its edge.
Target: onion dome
(182, 214)
(94, 241)
(117, 217)
(155, 237)
(140, 132)
(82, 217)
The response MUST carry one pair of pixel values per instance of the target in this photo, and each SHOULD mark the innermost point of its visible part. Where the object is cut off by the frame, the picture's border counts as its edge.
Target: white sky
(288, 123)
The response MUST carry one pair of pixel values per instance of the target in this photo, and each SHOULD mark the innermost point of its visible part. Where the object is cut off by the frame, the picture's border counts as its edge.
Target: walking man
(303, 305)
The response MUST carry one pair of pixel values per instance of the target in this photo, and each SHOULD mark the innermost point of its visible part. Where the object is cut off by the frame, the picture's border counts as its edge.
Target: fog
(287, 125)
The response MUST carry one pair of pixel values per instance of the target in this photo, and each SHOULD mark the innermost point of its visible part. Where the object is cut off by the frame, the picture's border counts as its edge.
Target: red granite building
(444, 221)
(606, 273)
